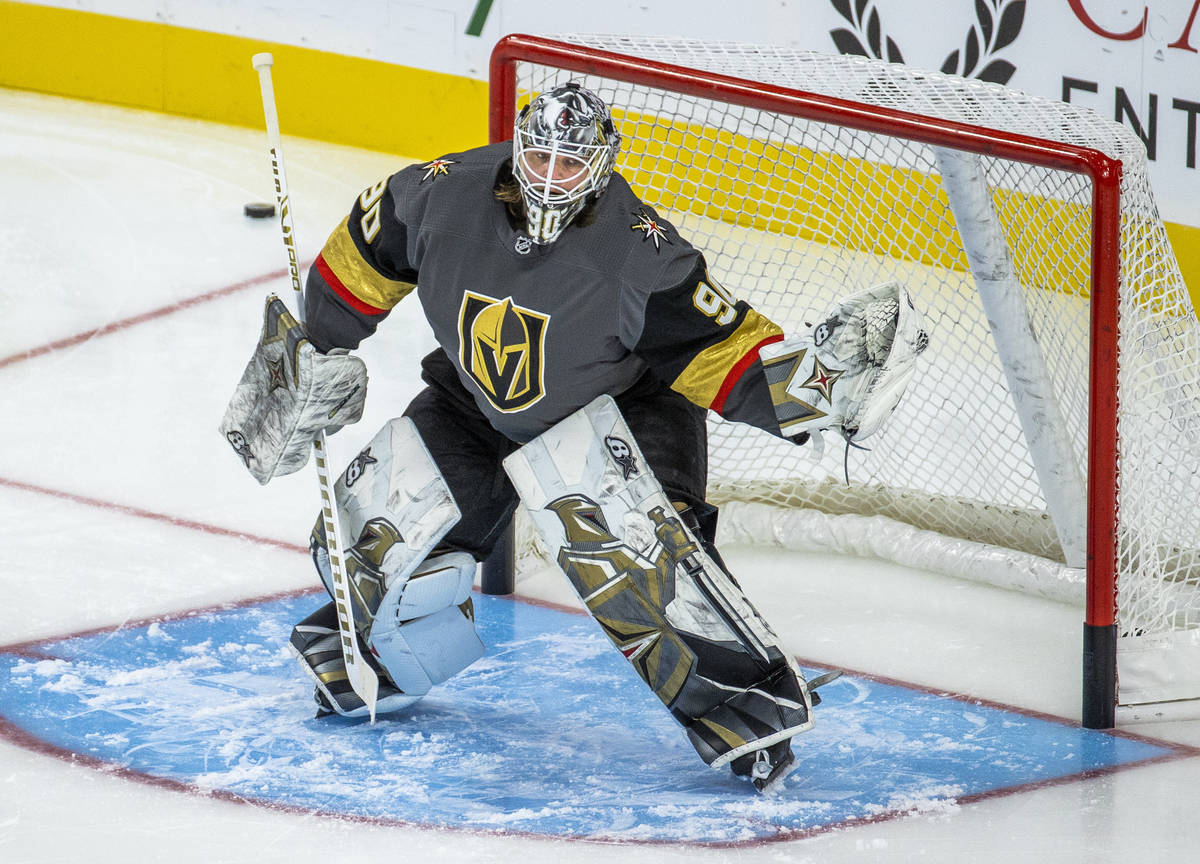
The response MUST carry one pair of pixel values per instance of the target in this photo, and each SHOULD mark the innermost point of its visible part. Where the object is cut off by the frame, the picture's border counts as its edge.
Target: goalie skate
(316, 641)
(766, 768)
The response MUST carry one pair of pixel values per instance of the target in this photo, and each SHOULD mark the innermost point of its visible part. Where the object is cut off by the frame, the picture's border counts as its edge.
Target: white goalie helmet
(564, 148)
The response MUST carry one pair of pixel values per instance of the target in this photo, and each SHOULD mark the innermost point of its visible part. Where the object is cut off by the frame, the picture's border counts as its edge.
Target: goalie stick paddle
(362, 677)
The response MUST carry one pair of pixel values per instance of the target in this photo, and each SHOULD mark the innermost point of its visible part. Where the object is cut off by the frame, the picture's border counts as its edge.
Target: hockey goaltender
(575, 325)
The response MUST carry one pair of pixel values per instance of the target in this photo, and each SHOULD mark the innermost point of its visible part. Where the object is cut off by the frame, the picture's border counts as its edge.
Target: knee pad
(424, 630)
(394, 506)
(423, 634)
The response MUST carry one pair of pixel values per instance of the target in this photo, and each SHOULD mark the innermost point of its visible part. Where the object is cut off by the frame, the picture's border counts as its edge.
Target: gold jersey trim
(705, 377)
(357, 276)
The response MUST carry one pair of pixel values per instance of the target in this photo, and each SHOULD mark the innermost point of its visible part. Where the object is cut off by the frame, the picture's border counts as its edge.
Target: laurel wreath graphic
(997, 25)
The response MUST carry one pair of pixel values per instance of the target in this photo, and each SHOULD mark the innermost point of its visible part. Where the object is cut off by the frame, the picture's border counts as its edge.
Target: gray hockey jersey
(536, 332)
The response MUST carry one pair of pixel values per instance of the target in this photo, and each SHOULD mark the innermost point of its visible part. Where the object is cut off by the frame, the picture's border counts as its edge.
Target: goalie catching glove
(851, 370)
(289, 393)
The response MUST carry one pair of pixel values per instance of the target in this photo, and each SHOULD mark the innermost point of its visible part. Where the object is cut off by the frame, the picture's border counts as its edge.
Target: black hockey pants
(670, 430)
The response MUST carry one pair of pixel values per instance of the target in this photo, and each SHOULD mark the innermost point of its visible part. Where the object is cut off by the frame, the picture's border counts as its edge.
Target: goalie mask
(564, 149)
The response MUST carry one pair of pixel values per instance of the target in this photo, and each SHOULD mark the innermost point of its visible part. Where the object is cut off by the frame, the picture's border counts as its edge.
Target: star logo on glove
(275, 375)
(436, 168)
(654, 231)
(822, 379)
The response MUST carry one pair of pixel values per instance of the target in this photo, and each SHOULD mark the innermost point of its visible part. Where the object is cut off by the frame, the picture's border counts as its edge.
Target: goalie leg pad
(424, 632)
(771, 711)
(683, 623)
(288, 393)
(395, 506)
(414, 614)
(425, 651)
(414, 643)
(318, 645)
(441, 581)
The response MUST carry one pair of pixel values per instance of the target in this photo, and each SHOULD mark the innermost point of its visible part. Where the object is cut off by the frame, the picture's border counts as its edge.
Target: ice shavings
(156, 631)
(68, 683)
(934, 800)
(551, 732)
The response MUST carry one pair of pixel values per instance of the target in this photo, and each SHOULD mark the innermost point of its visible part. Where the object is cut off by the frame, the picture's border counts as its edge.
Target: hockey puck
(259, 210)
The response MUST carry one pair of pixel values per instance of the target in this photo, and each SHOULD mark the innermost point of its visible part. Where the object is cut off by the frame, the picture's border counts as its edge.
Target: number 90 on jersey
(714, 300)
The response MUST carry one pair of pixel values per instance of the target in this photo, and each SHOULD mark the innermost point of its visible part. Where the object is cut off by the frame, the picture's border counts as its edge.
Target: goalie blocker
(288, 393)
(677, 616)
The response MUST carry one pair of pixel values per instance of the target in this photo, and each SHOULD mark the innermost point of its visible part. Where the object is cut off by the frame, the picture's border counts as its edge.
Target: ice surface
(121, 503)
(551, 734)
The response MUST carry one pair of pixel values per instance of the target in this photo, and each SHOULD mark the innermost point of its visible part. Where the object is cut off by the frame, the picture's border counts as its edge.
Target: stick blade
(364, 681)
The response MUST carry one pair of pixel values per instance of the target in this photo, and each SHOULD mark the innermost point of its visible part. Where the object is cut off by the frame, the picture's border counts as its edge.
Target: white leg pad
(395, 506)
(649, 583)
(439, 582)
(429, 650)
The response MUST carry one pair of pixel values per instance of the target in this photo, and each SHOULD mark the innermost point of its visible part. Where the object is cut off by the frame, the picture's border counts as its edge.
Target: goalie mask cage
(1050, 439)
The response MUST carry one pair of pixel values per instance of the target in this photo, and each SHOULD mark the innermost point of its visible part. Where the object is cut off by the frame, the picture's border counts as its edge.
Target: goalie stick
(362, 677)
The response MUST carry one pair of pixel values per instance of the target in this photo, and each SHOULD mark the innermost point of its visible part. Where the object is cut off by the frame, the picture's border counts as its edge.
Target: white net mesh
(793, 215)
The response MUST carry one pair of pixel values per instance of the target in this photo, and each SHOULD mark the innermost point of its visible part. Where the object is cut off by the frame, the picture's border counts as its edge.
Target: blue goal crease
(551, 733)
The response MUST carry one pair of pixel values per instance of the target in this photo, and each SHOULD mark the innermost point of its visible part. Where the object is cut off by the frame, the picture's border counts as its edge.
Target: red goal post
(1103, 172)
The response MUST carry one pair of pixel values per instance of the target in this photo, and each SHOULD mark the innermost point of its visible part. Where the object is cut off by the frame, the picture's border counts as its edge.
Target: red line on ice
(142, 318)
(128, 510)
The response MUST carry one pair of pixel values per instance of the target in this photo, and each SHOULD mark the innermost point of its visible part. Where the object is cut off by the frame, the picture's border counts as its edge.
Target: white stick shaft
(263, 63)
(362, 677)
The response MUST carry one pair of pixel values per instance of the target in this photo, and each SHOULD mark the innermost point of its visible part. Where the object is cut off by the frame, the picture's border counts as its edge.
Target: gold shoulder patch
(436, 169)
(654, 230)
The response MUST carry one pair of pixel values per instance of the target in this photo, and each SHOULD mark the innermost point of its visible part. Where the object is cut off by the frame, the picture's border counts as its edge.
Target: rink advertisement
(550, 734)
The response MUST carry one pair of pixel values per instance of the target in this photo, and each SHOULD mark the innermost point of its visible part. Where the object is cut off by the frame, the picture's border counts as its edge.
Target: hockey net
(979, 473)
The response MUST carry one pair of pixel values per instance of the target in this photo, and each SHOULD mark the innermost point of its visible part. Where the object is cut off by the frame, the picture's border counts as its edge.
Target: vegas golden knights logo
(627, 591)
(501, 346)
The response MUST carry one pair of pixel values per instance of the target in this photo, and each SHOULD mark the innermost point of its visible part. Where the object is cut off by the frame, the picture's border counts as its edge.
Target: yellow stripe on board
(1185, 240)
(421, 114)
(859, 205)
(783, 189)
(320, 95)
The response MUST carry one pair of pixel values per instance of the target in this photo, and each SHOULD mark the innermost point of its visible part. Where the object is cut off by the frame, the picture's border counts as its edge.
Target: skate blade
(821, 681)
(772, 783)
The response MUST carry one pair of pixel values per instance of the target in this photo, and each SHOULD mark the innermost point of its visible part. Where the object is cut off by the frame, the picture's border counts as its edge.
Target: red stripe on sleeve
(739, 369)
(342, 291)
